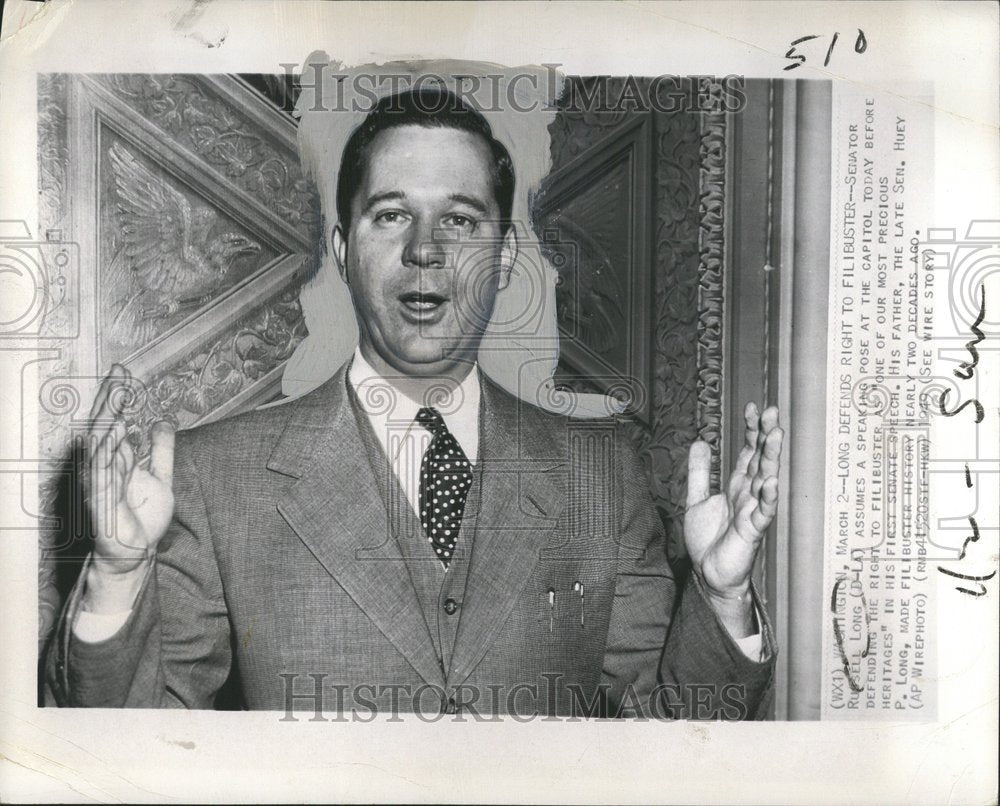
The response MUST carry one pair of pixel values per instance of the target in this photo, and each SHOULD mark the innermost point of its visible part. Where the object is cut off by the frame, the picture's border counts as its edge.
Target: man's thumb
(161, 458)
(699, 472)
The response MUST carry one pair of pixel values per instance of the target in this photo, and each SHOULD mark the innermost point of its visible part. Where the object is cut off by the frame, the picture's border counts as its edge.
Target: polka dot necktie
(445, 479)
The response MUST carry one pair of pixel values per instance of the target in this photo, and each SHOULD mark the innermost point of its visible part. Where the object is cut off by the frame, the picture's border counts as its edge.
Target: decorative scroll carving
(687, 349)
(664, 448)
(578, 126)
(52, 152)
(199, 383)
(225, 137)
(711, 283)
(60, 315)
(217, 372)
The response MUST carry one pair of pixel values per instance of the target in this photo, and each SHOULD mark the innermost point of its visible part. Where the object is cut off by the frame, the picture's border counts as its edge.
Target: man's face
(424, 257)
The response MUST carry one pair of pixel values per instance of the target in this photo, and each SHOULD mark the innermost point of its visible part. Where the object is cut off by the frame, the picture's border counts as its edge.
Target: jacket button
(450, 606)
(451, 707)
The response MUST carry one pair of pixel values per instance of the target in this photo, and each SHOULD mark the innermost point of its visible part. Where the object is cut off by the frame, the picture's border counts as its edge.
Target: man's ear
(508, 256)
(339, 243)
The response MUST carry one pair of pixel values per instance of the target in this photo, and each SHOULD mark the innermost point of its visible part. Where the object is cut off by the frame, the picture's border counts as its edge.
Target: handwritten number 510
(798, 59)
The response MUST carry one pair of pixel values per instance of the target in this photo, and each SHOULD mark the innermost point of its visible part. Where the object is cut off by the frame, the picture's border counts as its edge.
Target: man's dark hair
(432, 107)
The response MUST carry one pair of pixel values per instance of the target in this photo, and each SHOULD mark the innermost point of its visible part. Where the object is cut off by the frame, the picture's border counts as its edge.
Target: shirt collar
(390, 407)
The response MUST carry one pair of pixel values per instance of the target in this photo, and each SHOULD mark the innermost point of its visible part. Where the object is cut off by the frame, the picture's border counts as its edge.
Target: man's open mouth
(420, 302)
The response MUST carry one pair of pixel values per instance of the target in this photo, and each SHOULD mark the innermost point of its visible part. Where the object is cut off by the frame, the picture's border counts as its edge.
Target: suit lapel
(336, 509)
(522, 494)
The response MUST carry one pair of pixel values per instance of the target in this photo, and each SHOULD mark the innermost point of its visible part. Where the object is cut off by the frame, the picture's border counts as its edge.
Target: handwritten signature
(965, 372)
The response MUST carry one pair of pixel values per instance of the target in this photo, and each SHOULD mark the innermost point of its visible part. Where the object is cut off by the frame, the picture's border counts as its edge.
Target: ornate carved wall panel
(595, 214)
(684, 376)
(194, 228)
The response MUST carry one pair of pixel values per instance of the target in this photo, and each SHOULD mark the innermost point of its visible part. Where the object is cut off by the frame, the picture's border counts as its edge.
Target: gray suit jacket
(286, 573)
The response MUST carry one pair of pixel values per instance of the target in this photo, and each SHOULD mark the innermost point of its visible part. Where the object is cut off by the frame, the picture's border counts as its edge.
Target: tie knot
(430, 418)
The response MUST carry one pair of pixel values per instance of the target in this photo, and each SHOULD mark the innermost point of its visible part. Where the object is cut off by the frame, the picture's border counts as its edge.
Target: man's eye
(389, 217)
(460, 221)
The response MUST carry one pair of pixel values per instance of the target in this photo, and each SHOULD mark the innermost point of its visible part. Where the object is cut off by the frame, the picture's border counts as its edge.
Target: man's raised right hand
(130, 505)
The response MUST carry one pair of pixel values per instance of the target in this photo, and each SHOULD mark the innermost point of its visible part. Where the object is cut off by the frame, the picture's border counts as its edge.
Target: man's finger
(107, 428)
(769, 464)
(107, 445)
(772, 450)
(767, 505)
(768, 422)
(111, 380)
(106, 476)
(127, 396)
(752, 420)
(115, 437)
(97, 438)
(699, 472)
(754, 464)
(769, 419)
(161, 458)
(126, 455)
(103, 414)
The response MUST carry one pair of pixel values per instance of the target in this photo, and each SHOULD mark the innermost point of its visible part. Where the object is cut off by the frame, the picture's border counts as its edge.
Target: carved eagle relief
(171, 258)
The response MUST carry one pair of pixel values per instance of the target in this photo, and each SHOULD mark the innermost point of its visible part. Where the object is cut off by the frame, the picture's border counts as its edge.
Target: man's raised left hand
(723, 532)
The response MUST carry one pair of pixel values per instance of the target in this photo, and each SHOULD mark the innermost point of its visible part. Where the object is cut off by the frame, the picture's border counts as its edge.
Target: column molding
(806, 455)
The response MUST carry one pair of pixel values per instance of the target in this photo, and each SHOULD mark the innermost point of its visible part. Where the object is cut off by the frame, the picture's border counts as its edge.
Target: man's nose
(424, 248)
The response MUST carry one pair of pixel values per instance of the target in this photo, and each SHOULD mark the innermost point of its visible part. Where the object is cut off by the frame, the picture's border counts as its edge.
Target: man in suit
(409, 536)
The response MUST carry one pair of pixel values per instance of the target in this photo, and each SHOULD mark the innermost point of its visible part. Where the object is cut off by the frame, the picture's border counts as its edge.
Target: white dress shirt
(391, 406)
